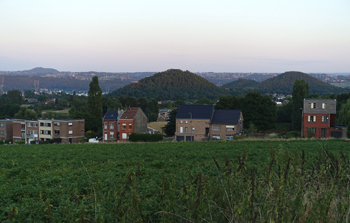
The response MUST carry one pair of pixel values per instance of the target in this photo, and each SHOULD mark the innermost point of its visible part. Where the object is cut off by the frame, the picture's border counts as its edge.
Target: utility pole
(191, 125)
(36, 85)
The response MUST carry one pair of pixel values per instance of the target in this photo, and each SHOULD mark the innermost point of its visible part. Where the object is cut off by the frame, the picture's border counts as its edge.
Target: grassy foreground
(239, 181)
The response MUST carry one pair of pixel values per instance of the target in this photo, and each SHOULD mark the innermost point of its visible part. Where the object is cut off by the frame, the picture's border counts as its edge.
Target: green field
(238, 181)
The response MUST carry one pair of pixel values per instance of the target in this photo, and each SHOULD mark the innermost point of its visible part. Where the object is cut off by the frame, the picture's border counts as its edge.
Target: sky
(194, 35)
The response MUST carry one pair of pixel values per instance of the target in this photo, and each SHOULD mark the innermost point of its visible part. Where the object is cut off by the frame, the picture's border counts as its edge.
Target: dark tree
(227, 102)
(259, 110)
(169, 129)
(95, 105)
(300, 92)
(14, 97)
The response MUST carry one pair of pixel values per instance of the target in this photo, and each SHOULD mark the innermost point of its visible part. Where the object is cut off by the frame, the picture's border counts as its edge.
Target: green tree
(95, 105)
(300, 92)
(344, 115)
(27, 114)
(170, 127)
(14, 97)
(260, 110)
(227, 102)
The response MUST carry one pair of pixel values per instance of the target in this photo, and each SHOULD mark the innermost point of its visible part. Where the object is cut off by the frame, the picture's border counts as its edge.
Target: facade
(192, 122)
(132, 120)
(18, 130)
(68, 130)
(6, 129)
(110, 125)
(225, 124)
(32, 131)
(45, 130)
(319, 117)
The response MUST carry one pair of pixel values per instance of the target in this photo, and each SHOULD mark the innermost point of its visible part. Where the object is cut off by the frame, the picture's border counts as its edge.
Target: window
(312, 105)
(70, 132)
(111, 134)
(230, 127)
(324, 118)
(186, 129)
(30, 124)
(105, 125)
(180, 122)
(41, 124)
(111, 125)
(124, 136)
(35, 124)
(23, 126)
(181, 129)
(186, 122)
(124, 126)
(193, 128)
(216, 127)
(56, 124)
(2, 133)
(324, 105)
(311, 118)
(48, 132)
(23, 134)
(48, 124)
(2, 125)
(130, 126)
(70, 124)
(207, 122)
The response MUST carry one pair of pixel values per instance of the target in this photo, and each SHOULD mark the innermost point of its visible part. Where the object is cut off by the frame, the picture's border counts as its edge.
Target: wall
(127, 131)
(140, 121)
(198, 134)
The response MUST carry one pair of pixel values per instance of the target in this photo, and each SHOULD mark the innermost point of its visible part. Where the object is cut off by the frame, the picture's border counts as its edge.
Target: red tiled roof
(130, 113)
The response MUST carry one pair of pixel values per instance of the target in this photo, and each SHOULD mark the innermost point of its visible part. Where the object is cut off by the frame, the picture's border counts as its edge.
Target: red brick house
(132, 120)
(110, 125)
(319, 117)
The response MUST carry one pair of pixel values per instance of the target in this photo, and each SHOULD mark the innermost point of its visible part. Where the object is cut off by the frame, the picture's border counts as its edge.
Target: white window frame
(70, 132)
(111, 125)
(230, 128)
(70, 124)
(216, 127)
(124, 136)
(309, 119)
(324, 105)
(181, 129)
(193, 128)
(105, 124)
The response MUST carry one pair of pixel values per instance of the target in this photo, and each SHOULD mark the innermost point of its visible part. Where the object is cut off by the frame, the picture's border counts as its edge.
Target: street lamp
(191, 125)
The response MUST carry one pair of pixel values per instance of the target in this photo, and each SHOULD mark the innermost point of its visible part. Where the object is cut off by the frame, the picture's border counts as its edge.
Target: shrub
(1, 142)
(145, 137)
(292, 134)
(8, 141)
(33, 142)
(90, 134)
(20, 142)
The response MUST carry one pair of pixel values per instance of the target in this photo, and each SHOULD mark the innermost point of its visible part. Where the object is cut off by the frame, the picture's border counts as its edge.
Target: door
(323, 133)
(70, 140)
(188, 138)
(105, 135)
(180, 138)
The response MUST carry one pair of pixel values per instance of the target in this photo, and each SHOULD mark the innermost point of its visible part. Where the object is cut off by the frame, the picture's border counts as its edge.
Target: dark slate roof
(111, 115)
(226, 117)
(198, 111)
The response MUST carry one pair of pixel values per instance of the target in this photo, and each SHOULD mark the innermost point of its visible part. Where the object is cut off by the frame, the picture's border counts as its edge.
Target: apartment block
(6, 128)
(69, 130)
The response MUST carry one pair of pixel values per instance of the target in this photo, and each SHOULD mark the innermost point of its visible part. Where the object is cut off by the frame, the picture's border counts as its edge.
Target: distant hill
(172, 84)
(40, 70)
(283, 84)
(241, 85)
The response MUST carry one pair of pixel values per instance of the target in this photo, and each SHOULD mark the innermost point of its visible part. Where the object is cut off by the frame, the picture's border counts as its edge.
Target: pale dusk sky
(195, 35)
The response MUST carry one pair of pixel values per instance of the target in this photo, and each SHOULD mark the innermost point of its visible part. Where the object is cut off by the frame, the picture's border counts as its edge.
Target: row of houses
(67, 130)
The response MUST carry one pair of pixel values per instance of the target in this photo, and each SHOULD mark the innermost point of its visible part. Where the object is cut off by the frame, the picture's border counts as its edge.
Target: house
(45, 130)
(192, 122)
(110, 125)
(6, 128)
(225, 124)
(18, 130)
(68, 130)
(319, 116)
(32, 130)
(132, 120)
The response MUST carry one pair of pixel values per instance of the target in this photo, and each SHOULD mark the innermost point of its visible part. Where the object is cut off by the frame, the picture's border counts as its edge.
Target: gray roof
(111, 115)
(197, 111)
(226, 117)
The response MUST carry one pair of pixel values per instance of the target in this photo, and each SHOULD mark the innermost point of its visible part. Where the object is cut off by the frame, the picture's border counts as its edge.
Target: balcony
(56, 135)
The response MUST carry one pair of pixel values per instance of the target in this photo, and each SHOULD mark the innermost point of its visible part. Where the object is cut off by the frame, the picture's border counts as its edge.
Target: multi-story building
(45, 130)
(192, 122)
(225, 124)
(68, 130)
(18, 130)
(32, 131)
(132, 120)
(110, 125)
(319, 117)
(201, 122)
(6, 129)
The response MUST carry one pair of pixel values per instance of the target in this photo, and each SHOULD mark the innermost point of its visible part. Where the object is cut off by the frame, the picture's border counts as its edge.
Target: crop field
(237, 181)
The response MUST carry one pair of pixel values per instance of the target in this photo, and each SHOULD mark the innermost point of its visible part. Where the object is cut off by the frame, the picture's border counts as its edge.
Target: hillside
(172, 84)
(41, 70)
(283, 84)
(241, 85)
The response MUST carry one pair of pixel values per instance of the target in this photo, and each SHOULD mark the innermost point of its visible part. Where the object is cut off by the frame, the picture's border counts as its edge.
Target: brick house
(132, 120)
(110, 125)
(18, 130)
(192, 122)
(6, 129)
(319, 116)
(69, 130)
(225, 124)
